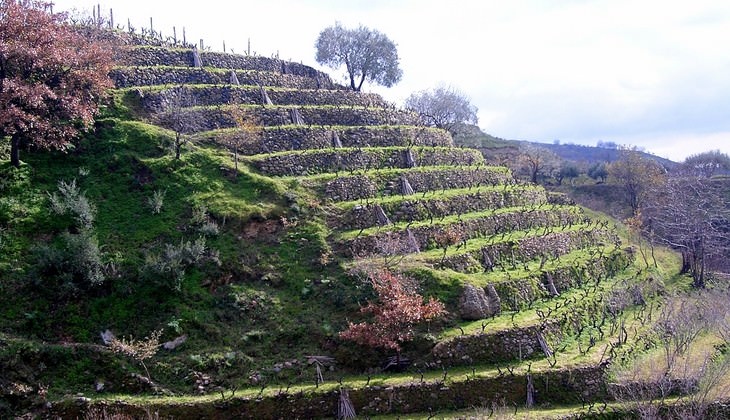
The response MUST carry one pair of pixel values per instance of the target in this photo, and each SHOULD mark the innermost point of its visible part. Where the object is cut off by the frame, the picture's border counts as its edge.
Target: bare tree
(443, 107)
(638, 175)
(536, 161)
(249, 131)
(178, 118)
(692, 215)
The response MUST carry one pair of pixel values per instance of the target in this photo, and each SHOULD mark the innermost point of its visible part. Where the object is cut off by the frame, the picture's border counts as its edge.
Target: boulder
(474, 304)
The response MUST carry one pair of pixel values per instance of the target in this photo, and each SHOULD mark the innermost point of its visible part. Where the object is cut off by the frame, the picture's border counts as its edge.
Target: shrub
(169, 266)
(156, 201)
(69, 200)
(202, 221)
(398, 310)
(77, 262)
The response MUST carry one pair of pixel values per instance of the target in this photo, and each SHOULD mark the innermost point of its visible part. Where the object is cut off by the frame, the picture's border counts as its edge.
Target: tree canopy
(443, 107)
(51, 77)
(366, 54)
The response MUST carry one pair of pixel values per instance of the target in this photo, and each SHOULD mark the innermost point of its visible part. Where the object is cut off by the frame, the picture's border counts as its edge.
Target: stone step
(420, 180)
(406, 238)
(307, 162)
(293, 137)
(183, 57)
(127, 77)
(158, 100)
(199, 119)
(433, 206)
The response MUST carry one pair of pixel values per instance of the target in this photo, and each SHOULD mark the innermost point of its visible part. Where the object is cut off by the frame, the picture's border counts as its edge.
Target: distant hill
(592, 154)
(473, 136)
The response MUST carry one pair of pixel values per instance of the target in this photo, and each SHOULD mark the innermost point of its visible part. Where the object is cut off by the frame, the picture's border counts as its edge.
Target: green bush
(75, 264)
(168, 266)
(69, 200)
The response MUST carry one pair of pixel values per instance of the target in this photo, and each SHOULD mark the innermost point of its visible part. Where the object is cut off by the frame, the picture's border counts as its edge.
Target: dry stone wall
(207, 119)
(155, 56)
(280, 139)
(513, 252)
(366, 215)
(468, 229)
(564, 386)
(495, 346)
(126, 77)
(187, 96)
(347, 188)
(342, 160)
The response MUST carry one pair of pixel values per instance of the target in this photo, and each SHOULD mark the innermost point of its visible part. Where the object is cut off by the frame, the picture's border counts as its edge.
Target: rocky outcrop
(475, 304)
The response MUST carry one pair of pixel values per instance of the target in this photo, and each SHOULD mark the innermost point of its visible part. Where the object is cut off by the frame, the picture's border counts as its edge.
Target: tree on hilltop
(366, 54)
(51, 77)
(443, 107)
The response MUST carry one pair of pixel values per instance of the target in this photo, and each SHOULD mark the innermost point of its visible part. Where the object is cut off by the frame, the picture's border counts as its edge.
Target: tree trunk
(178, 145)
(235, 160)
(15, 150)
(686, 266)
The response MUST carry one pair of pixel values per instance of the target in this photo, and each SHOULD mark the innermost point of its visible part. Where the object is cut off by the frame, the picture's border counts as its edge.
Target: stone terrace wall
(124, 77)
(187, 96)
(365, 216)
(526, 249)
(276, 139)
(207, 119)
(564, 386)
(495, 347)
(473, 228)
(313, 162)
(347, 188)
(155, 56)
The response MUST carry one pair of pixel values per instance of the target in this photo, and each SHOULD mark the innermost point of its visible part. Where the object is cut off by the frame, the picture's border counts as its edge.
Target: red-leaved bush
(394, 315)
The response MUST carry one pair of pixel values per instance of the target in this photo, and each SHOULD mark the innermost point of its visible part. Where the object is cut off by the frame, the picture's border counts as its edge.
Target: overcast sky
(654, 74)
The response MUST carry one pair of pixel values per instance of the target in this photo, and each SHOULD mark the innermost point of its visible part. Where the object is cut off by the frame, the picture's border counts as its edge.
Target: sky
(645, 73)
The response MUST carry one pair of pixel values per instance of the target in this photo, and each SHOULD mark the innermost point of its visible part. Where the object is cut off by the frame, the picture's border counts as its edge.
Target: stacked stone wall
(495, 346)
(347, 160)
(563, 386)
(187, 96)
(468, 229)
(365, 215)
(156, 56)
(347, 188)
(208, 119)
(280, 139)
(125, 77)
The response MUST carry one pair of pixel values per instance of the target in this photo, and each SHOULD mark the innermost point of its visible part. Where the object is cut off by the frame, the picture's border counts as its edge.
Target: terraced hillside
(535, 289)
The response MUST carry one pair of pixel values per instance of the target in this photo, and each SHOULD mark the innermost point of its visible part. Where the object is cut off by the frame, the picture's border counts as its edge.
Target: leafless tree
(638, 176)
(692, 215)
(178, 118)
(443, 107)
(536, 161)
